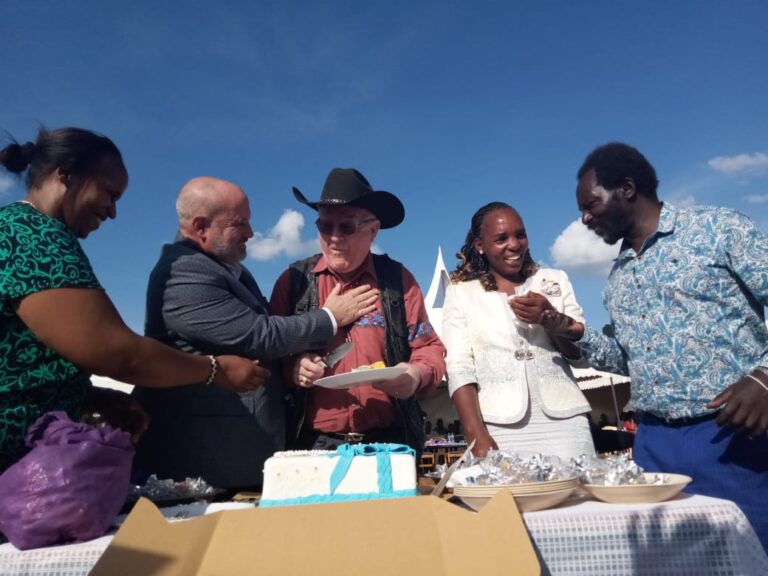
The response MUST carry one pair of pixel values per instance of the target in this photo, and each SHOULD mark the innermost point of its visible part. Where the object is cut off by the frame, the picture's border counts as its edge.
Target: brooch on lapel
(523, 354)
(551, 288)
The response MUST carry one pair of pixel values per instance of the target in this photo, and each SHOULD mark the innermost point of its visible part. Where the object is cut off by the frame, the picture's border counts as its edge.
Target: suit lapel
(250, 284)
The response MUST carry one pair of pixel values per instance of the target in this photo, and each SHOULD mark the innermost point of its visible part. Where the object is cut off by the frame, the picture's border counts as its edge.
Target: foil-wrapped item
(541, 468)
(617, 470)
(580, 465)
(499, 468)
(660, 479)
(163, 490)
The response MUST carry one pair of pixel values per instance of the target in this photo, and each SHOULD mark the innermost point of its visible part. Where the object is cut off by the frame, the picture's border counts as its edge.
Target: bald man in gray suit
(201, 299)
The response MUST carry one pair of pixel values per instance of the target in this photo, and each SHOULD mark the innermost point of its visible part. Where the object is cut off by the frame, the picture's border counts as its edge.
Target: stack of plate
(529, 496)
(640, 493)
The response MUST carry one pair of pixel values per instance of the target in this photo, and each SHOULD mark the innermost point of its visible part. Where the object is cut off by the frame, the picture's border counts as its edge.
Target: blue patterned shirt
(687, 311)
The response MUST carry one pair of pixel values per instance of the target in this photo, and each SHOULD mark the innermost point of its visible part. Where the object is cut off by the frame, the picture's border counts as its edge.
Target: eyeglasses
(345, 227)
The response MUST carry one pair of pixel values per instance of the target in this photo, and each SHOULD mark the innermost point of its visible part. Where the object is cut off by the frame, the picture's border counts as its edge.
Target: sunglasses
(345, 227)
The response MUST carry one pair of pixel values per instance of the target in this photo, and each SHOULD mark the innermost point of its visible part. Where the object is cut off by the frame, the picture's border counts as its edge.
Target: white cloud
(683, 201)
(756, 199)
(7, 183)
(754, 163)
(578, 249)
(284, 238)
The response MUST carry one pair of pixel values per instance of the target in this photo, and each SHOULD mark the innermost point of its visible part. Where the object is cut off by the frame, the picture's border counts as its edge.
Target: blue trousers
(723, 463)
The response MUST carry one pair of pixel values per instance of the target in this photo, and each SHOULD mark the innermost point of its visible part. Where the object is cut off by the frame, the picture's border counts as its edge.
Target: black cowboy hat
(347, 187)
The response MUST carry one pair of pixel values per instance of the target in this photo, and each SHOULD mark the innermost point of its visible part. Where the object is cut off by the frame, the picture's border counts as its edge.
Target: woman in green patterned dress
(57, 325)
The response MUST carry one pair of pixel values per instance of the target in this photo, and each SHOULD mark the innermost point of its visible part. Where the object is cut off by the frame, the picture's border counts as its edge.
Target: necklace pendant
(28, 203)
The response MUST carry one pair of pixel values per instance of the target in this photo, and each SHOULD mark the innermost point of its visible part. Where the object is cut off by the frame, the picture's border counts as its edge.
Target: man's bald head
(214, 214)
(205, 196)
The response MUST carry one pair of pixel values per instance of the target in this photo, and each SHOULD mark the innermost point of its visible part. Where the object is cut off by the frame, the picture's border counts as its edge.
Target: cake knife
(332, 358)
(438, 490)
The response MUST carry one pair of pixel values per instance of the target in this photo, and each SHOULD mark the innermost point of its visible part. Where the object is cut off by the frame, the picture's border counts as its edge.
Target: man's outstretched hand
(744, 405)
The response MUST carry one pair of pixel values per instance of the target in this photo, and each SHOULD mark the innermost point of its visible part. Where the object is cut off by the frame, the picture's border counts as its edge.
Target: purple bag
(69, 487)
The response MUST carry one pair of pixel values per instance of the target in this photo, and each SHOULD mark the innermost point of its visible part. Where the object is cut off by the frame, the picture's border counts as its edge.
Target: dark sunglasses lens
(345, 228)
(324, 227)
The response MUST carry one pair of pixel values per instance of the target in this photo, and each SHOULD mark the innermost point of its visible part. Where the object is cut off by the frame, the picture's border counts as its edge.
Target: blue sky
(449, 105)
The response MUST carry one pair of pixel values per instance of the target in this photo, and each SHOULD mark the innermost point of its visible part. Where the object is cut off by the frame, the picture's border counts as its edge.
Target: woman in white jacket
(504, 322)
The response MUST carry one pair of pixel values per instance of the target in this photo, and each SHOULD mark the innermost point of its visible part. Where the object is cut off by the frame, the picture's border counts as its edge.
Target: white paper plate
(359, 378)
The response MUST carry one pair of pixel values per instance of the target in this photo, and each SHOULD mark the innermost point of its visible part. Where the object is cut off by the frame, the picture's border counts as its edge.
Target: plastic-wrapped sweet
(159, 490)
(498, 468)
(613, 471)
(541, 468)
(580, 465)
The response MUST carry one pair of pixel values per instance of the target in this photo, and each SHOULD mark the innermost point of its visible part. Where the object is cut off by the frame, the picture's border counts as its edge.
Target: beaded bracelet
(214, 368)
(758, 381)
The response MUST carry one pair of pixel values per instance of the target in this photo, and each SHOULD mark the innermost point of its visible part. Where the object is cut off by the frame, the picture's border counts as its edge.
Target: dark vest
(389, 275)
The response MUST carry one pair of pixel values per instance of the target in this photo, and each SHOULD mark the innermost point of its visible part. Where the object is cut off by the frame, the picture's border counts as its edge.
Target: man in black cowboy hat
(350, 214)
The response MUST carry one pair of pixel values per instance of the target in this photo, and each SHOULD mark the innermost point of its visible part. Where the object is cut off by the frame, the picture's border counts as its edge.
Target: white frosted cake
(351, 472)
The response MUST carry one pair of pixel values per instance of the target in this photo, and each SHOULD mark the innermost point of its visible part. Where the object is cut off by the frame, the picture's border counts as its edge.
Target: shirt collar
(236, 269)
(667, 219)
(665, 226)
(366, 268)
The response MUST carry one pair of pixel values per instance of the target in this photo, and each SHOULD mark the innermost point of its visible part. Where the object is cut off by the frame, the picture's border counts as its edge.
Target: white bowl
(529, 496)
(640, 493)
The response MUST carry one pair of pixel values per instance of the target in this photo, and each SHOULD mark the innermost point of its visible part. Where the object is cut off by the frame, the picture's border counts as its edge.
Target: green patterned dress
(37, 253)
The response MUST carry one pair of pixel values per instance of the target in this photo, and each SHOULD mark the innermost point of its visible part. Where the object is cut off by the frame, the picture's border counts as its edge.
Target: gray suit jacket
(195, 304)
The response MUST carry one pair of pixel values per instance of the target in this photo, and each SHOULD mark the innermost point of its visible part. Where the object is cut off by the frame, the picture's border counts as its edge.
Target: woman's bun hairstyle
(16, 157)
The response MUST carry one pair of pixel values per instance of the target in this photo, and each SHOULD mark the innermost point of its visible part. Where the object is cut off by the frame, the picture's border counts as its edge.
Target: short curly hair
(616, 161)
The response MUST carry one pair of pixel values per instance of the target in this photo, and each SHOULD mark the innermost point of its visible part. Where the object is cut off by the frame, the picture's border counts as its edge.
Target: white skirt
(538, 433)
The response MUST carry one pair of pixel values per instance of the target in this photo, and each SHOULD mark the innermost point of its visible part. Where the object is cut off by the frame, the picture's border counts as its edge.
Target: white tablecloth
(686, 536)
(690, 535)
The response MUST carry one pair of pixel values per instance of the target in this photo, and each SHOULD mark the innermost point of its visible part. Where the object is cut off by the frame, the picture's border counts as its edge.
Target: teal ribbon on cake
(346, 452)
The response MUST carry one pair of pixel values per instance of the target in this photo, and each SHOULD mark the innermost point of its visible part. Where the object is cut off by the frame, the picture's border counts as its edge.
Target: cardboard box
(423, 535)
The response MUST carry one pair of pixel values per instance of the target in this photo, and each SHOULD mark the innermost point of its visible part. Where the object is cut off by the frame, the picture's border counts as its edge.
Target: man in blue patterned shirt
(686, 299)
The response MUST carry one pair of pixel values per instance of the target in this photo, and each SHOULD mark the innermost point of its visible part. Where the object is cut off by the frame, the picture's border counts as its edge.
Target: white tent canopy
(438, 404)
(435, 297)
(589, 378)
